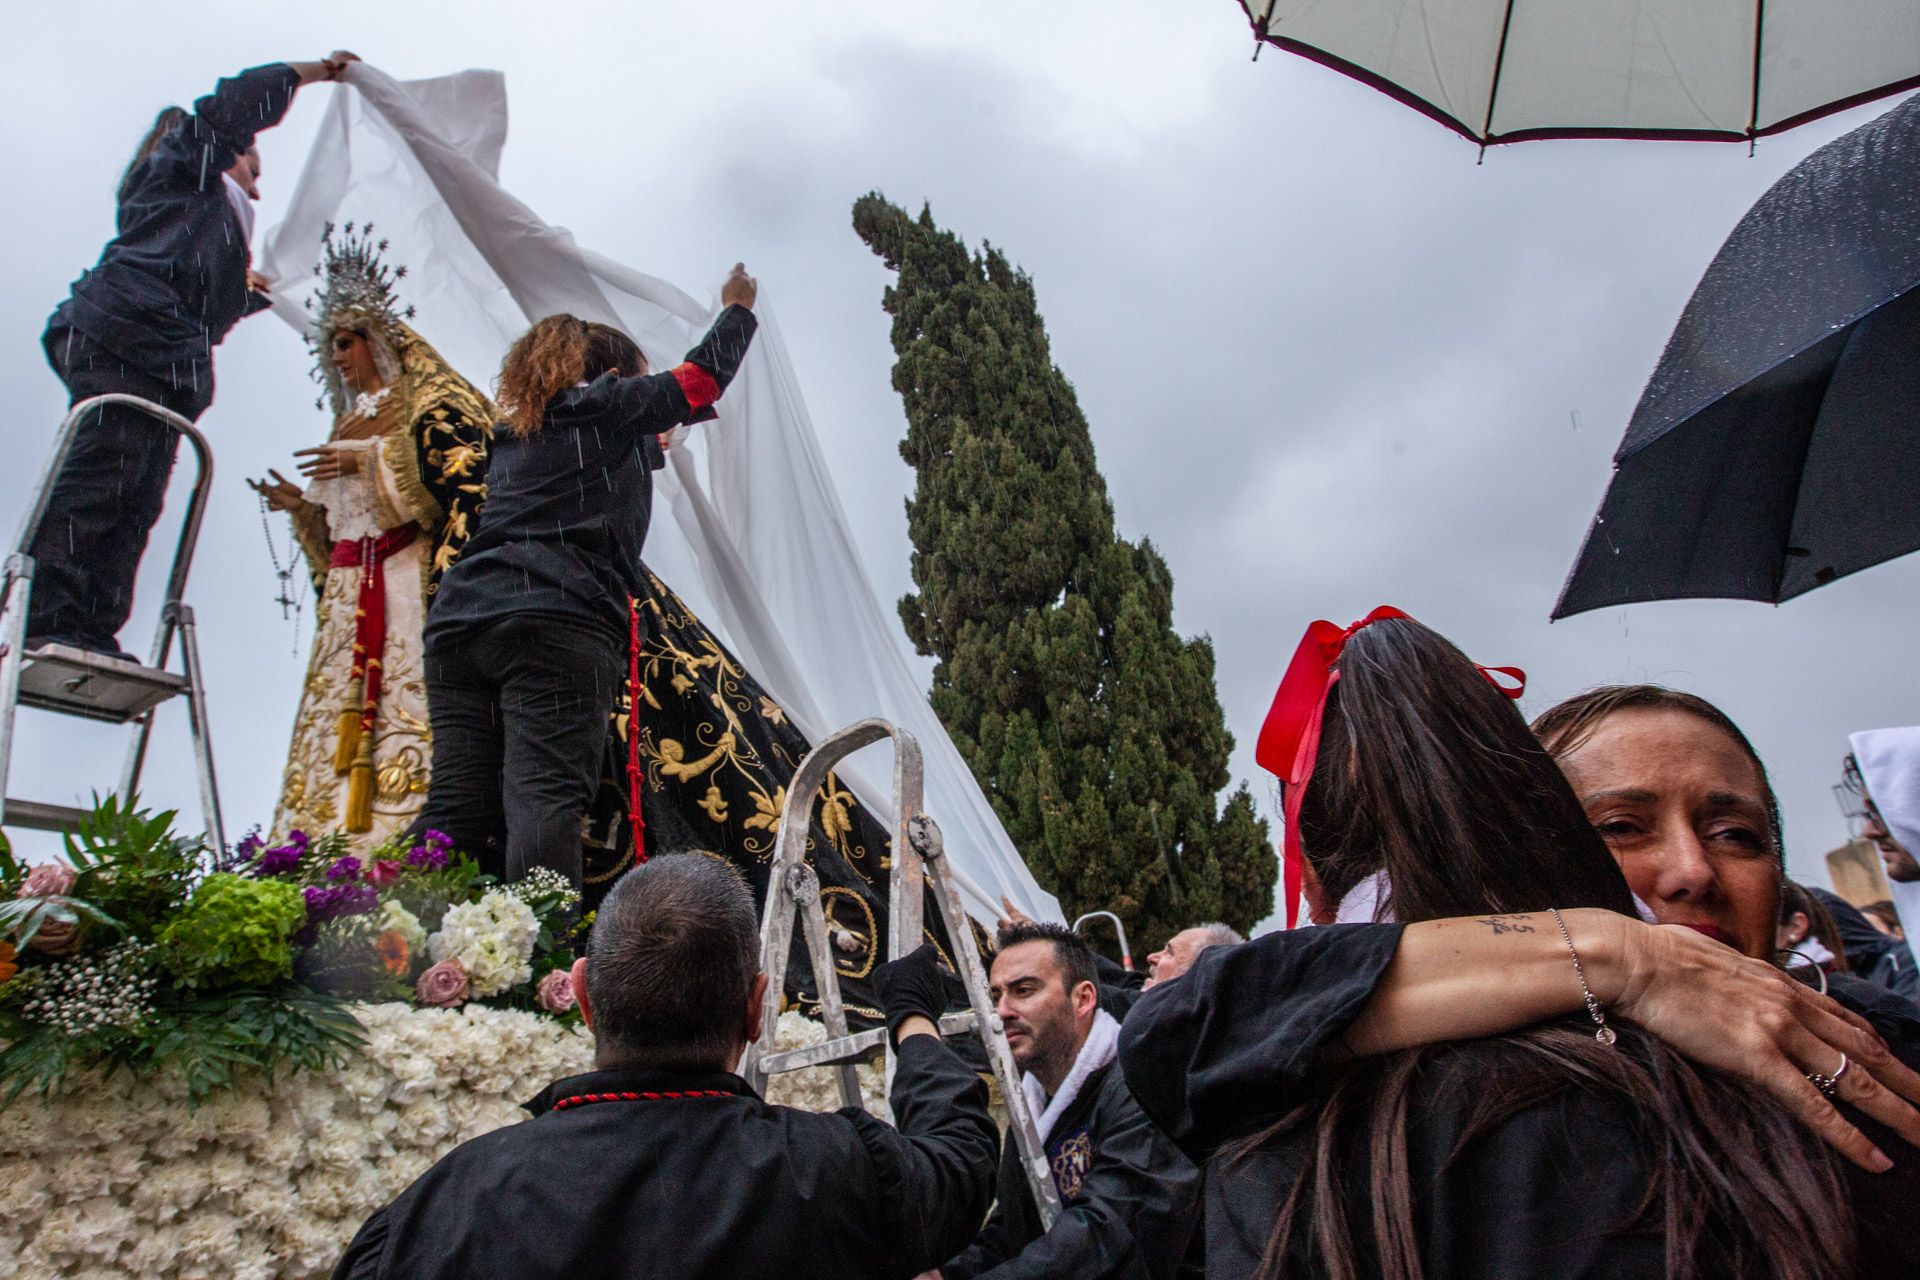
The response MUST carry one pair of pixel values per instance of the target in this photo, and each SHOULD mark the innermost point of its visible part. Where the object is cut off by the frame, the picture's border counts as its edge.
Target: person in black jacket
(662, 1162)
(527, 641)
(1129, 1197)
(144, 321)
(1873, 955)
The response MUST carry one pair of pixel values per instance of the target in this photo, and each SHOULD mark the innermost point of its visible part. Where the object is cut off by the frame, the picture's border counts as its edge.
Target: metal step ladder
(92, 686)
(919, 860)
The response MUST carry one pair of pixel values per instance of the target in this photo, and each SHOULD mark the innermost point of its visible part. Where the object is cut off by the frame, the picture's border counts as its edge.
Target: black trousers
(520, 712)
(108, 493)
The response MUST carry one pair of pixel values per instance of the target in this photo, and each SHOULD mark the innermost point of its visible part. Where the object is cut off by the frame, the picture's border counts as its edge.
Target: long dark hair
(169, 119)
(1428, 773)
(553, 355)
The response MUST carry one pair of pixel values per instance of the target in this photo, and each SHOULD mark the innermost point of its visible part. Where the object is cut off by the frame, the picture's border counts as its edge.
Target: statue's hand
(281, 493)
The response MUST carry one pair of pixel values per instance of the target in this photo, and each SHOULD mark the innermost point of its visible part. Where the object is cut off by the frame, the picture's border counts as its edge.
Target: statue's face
(352, 357)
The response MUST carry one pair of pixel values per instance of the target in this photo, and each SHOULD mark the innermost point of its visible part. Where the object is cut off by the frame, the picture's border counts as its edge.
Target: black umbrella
(1777, 446)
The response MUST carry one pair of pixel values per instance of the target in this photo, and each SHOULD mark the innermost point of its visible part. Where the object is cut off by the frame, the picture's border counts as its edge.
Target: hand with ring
(328, 462)
(1748, 1018)
(1830, 1084)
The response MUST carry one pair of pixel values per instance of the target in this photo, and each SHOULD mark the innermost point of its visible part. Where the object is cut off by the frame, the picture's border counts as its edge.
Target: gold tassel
(346, 729)
(360, 787)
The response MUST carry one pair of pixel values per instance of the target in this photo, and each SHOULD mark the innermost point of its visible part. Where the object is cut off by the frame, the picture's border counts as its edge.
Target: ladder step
(851, 1048)
(73, 682)
(38, 816)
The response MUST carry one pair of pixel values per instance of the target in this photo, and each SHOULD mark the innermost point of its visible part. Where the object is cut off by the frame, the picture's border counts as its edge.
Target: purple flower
(430, 856)
(249, 846)
(281, 857)
(339, 900)
(347, 868)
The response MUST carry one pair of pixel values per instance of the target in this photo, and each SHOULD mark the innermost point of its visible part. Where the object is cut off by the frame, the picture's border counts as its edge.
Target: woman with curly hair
(529, 634)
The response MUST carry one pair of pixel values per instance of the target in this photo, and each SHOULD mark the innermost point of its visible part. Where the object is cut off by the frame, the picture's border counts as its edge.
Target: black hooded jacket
(1872, 955)
(688, 1174)
(568, 506)
(173, 280)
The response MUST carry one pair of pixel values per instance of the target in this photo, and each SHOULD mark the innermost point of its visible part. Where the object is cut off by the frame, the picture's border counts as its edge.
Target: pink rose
(56, 938)
(47, 880)
(443, 985)
(382, 873)
(555, 994)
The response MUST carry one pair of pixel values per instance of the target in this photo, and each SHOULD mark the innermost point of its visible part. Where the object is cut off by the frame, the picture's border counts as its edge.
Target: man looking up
(661, 1162)
(1184, 947)
(1129, 1197)
(144, 321)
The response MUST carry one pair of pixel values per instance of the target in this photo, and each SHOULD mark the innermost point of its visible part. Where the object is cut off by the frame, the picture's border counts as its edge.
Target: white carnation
(402, 921)
(492, 939)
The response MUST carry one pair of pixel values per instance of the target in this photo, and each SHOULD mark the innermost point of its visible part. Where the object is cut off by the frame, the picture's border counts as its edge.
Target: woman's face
(1681, 807)
(352, 357)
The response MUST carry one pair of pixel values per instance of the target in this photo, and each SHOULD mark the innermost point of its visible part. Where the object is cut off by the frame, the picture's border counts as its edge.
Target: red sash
(370, 555)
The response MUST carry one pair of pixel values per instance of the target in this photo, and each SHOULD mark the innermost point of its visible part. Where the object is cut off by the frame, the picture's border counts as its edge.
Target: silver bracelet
(1603, 1033)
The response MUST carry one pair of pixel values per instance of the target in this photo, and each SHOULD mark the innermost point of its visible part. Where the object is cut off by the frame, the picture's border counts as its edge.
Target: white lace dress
(384, 492)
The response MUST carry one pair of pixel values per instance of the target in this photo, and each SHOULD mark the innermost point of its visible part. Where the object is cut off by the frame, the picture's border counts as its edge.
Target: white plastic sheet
(748, 527)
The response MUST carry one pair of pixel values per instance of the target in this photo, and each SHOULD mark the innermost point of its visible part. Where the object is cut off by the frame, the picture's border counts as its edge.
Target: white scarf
(1103, 1040)
(1809, 951)
(241, 204)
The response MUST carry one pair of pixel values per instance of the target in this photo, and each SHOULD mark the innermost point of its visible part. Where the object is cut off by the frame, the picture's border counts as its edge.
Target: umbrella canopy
(1777, 446)
(1714, 70)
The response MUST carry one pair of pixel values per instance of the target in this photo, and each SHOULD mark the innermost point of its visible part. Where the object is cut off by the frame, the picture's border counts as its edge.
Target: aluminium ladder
(93, 686)
(919, 861)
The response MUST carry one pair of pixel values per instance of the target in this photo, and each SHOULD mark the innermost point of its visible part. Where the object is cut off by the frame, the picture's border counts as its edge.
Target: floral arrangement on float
(145, 952)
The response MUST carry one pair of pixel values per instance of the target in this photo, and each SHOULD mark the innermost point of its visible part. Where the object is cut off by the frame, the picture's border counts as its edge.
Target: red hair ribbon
(1289, 742)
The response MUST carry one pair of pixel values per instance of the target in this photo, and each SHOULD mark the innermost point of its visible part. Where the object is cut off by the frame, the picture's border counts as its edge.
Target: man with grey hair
(1184, 947)
(662, 1162)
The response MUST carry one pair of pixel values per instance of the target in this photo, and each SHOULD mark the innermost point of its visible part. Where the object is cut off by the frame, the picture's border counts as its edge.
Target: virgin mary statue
(389, 502)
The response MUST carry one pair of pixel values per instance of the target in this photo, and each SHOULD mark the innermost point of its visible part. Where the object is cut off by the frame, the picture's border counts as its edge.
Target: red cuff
(696, 384)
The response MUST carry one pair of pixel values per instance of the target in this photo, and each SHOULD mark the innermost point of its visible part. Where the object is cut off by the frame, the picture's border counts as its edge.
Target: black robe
(1250, 1031)
(715, 1185)
(718, 753)
(1130, 1198)
(173, 280)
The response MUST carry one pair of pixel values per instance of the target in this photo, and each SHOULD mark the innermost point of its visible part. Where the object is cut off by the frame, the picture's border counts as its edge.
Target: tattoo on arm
(1507, 924)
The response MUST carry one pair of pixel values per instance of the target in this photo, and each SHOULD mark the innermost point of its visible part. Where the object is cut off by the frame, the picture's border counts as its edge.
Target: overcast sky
(1329, 360)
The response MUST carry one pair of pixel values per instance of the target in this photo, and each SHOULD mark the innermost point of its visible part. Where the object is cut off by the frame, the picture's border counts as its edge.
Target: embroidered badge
(1072, 1157)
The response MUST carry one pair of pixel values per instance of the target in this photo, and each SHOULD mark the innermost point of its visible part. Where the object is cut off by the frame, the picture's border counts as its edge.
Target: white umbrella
(1514, 70)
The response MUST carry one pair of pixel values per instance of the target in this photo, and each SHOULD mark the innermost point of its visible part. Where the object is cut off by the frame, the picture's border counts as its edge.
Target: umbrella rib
(1499, 63)
(1759, 38)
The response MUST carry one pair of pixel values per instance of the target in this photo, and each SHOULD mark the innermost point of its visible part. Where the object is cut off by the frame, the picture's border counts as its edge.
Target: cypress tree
(1093, 727)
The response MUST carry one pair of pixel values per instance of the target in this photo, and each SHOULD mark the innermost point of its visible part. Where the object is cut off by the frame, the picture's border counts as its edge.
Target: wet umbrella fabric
(1713, 70)
(1777, 446)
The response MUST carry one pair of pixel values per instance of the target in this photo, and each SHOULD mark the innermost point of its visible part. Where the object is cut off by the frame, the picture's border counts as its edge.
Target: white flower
(492, 939)
(116, 1177)
(402, 921)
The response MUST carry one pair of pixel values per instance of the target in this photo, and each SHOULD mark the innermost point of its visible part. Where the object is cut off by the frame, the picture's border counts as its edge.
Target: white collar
(242, 206)
(1103, 1041)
